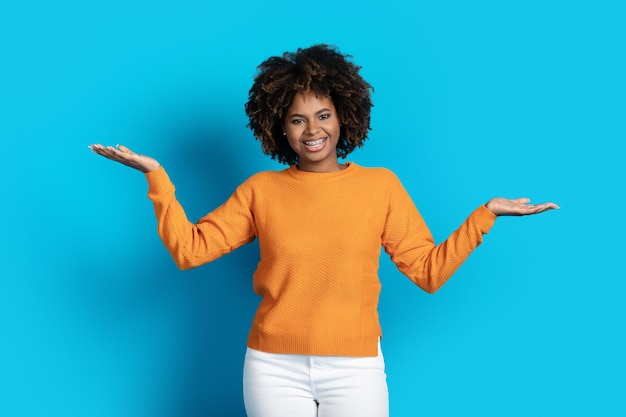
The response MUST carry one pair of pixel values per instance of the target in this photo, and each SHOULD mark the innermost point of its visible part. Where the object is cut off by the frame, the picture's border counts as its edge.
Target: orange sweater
(320, 236)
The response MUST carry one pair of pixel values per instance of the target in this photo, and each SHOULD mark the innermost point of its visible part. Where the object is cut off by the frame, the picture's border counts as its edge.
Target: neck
(333, 167)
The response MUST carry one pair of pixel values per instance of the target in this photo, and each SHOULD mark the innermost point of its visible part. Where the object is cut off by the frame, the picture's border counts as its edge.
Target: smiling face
(312, 128)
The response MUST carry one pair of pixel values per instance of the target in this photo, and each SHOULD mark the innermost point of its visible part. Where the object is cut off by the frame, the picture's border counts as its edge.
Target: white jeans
(279, 385)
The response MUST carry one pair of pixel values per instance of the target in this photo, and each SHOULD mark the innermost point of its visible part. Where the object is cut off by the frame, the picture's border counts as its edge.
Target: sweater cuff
(484, 218)
(159, 182)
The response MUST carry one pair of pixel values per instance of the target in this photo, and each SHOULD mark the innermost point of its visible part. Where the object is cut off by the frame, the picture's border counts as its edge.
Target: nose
(312, 128)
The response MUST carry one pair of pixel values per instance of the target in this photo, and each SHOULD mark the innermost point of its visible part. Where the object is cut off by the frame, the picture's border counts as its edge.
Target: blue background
(472, 100)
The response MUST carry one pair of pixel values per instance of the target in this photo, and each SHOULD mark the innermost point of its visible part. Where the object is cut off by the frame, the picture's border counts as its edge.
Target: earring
(284, 133)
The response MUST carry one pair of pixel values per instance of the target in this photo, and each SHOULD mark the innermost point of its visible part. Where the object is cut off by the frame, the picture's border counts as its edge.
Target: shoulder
(378, 175)
(263, 179)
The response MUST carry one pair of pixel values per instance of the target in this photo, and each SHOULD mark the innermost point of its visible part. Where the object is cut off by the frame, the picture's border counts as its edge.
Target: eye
(324, 116)
(297, 121)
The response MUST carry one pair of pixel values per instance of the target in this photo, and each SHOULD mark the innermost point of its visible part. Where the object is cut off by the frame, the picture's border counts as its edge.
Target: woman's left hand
(517, 207)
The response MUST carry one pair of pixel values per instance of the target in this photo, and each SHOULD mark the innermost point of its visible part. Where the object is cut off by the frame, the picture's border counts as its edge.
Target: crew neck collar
(296, 173)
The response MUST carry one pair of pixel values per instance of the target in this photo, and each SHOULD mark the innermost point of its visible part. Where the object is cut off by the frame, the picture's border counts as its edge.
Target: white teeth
(315, 142)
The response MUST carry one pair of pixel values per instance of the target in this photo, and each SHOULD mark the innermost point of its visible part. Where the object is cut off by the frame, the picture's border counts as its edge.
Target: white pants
(279, 385)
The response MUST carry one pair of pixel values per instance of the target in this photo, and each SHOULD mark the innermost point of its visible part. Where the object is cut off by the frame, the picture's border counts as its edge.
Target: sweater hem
(361, 346)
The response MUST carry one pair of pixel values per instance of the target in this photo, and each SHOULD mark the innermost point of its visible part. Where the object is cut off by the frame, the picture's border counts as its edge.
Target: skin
(312, 128)
(311, 119)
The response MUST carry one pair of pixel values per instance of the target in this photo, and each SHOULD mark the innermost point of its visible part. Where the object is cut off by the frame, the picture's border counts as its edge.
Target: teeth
(315, 142)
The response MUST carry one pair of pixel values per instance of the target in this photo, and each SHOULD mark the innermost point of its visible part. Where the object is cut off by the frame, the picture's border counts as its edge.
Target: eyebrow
(325, 109)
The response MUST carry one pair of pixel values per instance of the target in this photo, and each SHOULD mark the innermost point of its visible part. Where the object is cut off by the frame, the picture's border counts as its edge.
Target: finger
(118, 153)
(124, 149)
(540, 208)
(96, 147)
(115, 155)
(550, 206)
(522, 200)
(100, 150)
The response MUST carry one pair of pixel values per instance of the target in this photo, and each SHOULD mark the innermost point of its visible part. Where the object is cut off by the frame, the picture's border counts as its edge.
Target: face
(312, 128)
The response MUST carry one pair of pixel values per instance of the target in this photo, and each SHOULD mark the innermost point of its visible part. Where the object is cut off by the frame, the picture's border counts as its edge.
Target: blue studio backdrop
(473, 100)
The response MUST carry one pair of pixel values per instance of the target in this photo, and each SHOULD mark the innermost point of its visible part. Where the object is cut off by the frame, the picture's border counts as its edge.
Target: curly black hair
(321, 69)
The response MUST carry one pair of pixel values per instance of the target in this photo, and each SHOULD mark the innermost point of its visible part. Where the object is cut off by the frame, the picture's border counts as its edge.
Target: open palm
(517, 207)
(125, 156)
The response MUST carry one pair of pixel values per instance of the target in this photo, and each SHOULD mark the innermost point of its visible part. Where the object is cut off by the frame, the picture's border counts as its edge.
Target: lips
(314, 145)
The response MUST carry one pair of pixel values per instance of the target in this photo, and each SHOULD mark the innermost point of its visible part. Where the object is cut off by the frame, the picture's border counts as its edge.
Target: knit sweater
(320, 238)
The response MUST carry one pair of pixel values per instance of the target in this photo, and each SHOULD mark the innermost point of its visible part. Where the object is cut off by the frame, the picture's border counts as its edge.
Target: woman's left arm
(412, 247)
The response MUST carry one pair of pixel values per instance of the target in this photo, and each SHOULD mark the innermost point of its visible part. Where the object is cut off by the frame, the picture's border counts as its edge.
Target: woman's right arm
(228, 227)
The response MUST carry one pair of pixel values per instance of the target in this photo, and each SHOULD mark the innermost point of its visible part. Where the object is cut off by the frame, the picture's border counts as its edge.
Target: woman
(314, 345)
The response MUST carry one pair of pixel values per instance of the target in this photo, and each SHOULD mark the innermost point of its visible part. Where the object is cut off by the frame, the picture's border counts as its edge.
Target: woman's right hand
(125, 156)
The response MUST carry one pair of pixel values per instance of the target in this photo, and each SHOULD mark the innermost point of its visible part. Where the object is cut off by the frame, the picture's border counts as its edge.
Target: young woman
(314, 345)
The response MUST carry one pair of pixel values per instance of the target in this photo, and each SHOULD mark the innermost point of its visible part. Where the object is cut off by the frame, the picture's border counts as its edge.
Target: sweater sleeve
(220, 232)
(410, 244)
